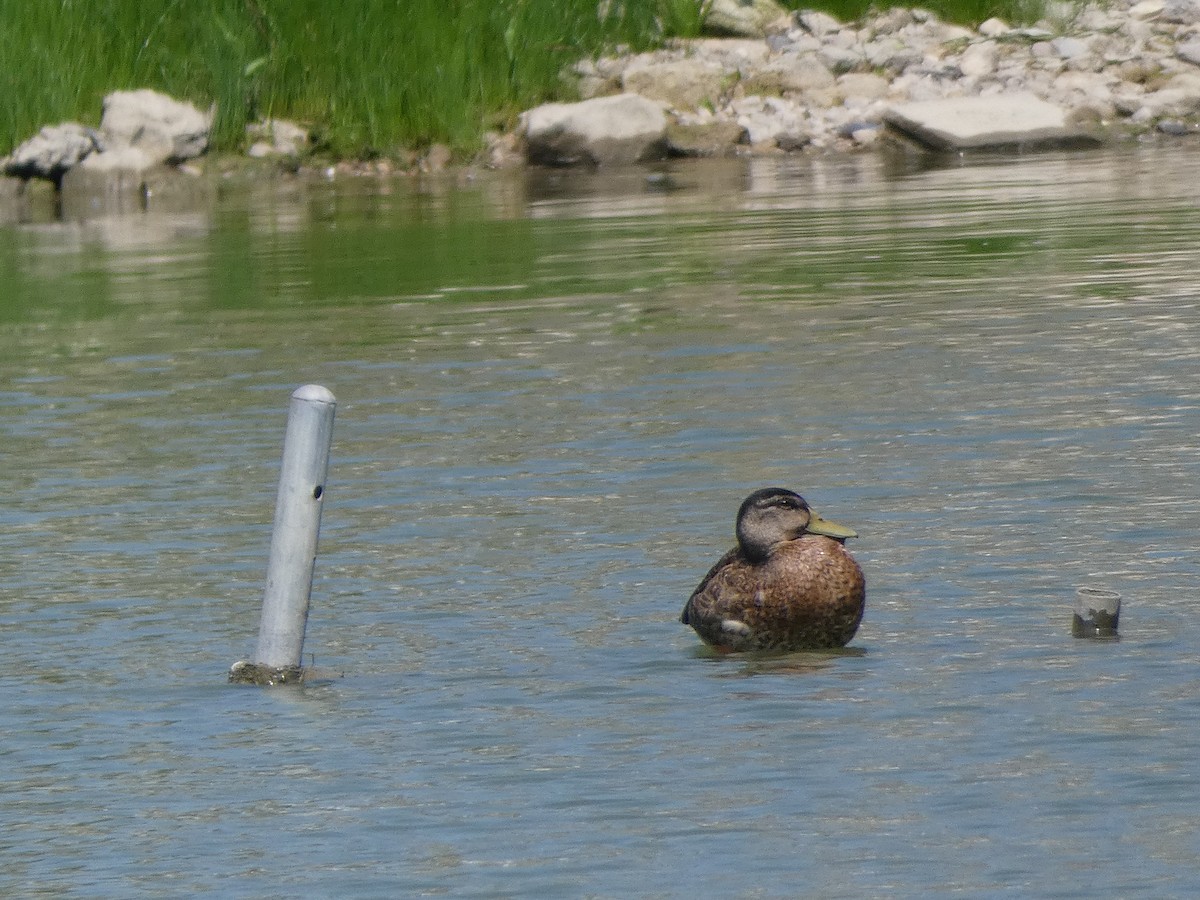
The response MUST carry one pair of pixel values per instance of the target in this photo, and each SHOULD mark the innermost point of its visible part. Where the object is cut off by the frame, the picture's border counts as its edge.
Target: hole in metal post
(318, 491)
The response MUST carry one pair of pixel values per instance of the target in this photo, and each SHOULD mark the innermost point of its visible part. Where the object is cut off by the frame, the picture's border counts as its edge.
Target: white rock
(1168, 102)
(994, 27)
(1070, 47)
(867, 136)
(1189, 51)
(766, 119)
(895, 19)
(840, 59)
(943, 33)
(1093, 60)
(121, 158)
(790, 73)
(681, 84)
(1147, 9)
(862, 86)
(978, 122)
(892, 54)
(819, 23)
(732, 53)
(746, 18)
(1181, 12)
(164, 129)
(52, 151)
(606, 131)
(1188, 82)
(1094, 19)
(277, 137)
(979, 60)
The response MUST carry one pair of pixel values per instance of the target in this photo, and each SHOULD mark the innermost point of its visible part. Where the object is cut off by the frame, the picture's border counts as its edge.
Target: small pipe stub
(1096, 613)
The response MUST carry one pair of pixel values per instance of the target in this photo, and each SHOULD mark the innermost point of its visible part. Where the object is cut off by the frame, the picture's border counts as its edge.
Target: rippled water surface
(553, 392)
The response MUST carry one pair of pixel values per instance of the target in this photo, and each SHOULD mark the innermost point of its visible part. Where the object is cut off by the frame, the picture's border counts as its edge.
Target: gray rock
(164, 129)
(789, 74)
(976, 123)
(891, 21)
(1170, 102)
(1147, 9)
(1095, 63)
(781, 42)
(978, 60)
(742, 18)
(52, 151)
(1070, 47)
(1181, 12)
(735, 54)
(767, 119)
(605, 131)
(891, 53)
(503, 151)
(1084, 91)
(1189, 51)
(705, 139)
(841, 59)
(276, 137)
(1175, 128)
(792, 141)
(994, 28)
(862, 133)
(680, 84)
(862, 86)
(818, 23)
(130, 159)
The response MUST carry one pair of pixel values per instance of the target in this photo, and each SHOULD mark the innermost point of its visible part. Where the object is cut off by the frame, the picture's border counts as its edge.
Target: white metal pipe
(297, 522)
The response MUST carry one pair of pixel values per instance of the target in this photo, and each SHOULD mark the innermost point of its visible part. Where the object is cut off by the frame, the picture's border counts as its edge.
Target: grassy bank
(371, 75)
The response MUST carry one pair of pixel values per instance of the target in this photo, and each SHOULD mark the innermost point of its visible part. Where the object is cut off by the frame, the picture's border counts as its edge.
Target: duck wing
(698, 602)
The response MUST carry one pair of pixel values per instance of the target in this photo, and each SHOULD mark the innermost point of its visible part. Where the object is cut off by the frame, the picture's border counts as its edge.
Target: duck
(789, 584)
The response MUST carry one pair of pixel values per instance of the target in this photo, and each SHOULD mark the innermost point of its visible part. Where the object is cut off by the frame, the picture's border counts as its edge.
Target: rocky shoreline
(776, 83)
(811, 83)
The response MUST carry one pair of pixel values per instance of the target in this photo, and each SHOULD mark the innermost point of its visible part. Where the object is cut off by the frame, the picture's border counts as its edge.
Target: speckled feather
(809, 593)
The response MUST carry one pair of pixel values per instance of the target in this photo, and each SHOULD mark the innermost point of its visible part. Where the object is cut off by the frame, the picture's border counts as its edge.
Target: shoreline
(1120, 72)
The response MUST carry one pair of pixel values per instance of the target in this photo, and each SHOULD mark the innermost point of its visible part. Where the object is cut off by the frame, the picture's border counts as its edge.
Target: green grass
(371, 76)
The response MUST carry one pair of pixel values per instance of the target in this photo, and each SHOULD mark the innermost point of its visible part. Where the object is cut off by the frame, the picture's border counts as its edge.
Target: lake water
(553, 392)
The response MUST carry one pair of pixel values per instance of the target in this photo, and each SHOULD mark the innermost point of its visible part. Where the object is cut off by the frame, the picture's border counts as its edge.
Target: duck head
(772, 516)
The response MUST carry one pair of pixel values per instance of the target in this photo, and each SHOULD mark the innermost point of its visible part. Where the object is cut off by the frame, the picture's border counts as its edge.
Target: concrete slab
(1020, 120)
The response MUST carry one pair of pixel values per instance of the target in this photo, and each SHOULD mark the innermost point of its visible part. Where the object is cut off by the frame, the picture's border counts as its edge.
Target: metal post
(294, 539)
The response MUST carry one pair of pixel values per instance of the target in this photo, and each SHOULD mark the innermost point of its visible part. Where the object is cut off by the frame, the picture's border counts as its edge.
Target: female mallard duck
(789, 584)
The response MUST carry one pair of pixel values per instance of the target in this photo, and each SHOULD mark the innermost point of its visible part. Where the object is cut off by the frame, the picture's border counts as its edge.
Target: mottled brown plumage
(789, 584)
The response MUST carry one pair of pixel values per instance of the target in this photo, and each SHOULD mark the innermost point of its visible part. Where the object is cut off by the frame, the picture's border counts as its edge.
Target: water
(553, 393)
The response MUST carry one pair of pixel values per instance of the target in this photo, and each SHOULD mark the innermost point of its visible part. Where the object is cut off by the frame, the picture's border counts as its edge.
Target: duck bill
(817, 525)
